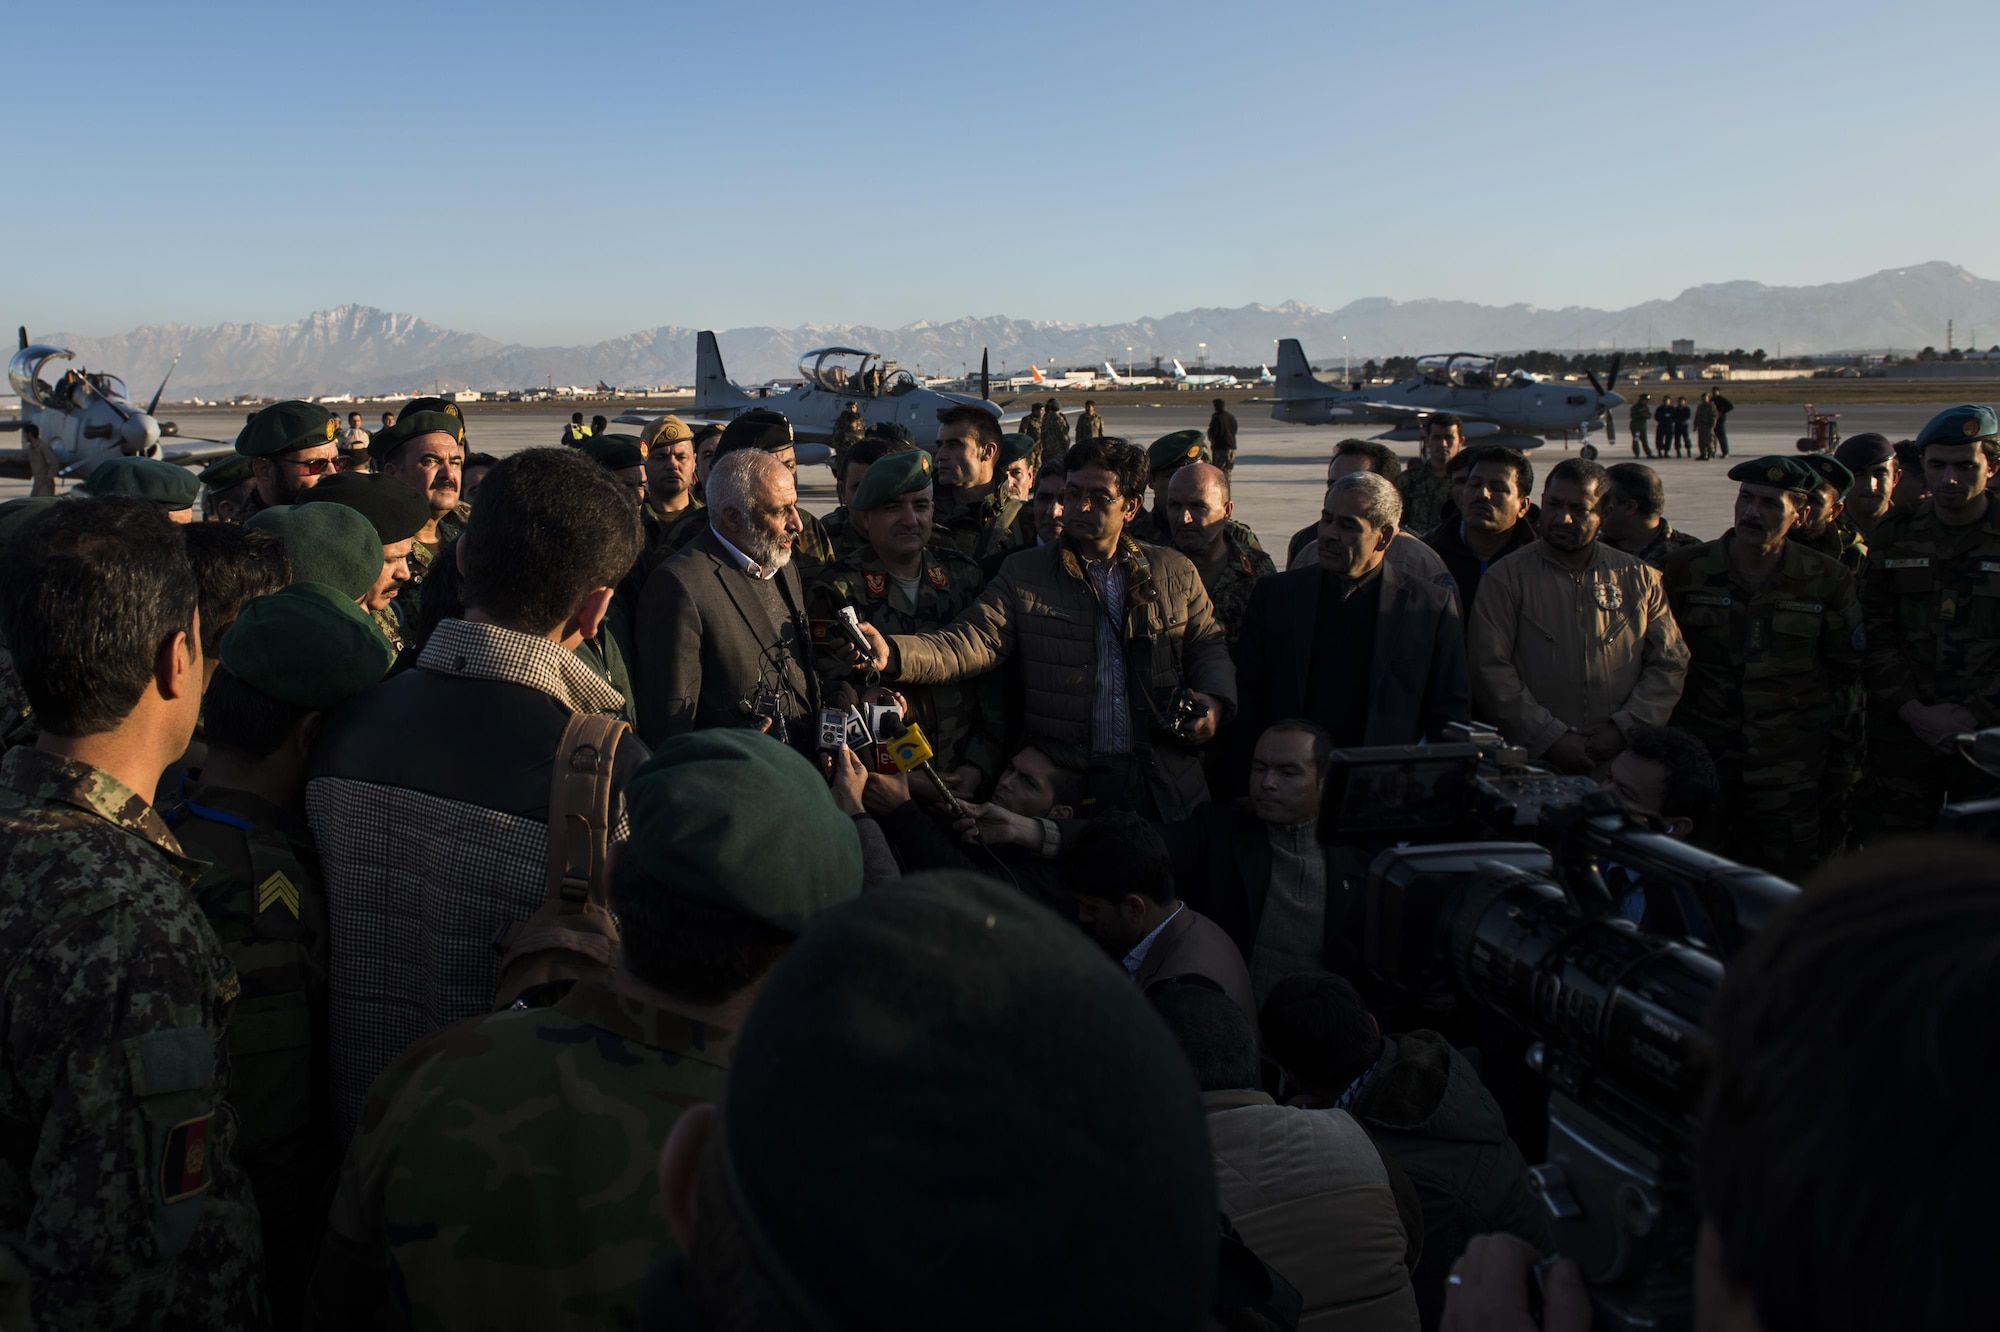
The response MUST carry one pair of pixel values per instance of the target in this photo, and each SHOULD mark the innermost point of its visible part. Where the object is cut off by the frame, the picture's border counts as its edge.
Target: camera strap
(1138, 654)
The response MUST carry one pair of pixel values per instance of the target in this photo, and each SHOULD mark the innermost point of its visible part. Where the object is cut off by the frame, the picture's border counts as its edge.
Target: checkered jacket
(428, 796)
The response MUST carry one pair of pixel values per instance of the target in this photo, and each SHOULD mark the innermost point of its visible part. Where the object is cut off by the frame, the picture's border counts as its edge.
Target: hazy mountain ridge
(365, 350)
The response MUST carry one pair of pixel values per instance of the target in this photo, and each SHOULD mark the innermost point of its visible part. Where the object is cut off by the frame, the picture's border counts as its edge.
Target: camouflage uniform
(676, 532)
(504, 1171)
(1031, 426)
(1664, 543)
(407, 608)
(1932, 595)
(1773, 689)
(812, 548)
(1089, 425)
(841, 533)
(1228, 581)
(17, 715)
(984, 528)
(848, 428)
(964, 721)
(1844, 546)
(1424, 496)
(264, 901)
(119, 1187)
(1053, 439)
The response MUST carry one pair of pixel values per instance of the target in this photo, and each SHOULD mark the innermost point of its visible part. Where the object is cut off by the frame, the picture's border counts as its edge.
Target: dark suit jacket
(1193, 945)
(1222, 867)
(705, 639)
(1417, 681)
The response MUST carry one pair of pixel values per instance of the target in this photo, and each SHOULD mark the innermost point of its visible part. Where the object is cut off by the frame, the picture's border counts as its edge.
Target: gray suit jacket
(1417, 680)
(706, 640)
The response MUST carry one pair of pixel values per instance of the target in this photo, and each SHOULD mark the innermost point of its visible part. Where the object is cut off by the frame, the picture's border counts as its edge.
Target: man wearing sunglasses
(290, 446)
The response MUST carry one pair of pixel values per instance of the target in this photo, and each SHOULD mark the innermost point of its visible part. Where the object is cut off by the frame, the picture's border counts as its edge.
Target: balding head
(1198, 507)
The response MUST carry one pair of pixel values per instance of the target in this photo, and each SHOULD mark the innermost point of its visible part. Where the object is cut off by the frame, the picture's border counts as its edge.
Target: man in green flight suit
(1773, 684)
(973, 512)
(901, 584)
(289, 659)
(1932, 594)
(122, 1202)
(504, 1173)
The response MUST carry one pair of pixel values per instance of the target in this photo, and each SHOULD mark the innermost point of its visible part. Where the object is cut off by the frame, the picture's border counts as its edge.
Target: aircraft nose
(142, 436)
(1613, 400)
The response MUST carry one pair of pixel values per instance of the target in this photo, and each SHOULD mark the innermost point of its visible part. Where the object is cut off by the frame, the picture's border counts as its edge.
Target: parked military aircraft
(84, 418)
(1518, 410)
(834, 377)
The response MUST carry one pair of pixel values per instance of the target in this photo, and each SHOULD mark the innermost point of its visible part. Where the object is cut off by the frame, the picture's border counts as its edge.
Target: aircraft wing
(195, 452)
(1407, 409)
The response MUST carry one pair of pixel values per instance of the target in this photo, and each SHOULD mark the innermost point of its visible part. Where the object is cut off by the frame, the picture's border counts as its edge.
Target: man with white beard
(722, 636)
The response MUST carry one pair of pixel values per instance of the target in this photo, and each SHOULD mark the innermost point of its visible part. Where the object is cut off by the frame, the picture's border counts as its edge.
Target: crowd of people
(583, 888)
(1679, 431)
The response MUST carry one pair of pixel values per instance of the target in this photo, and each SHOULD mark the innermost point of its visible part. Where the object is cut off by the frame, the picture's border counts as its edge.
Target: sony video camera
(1500, 885)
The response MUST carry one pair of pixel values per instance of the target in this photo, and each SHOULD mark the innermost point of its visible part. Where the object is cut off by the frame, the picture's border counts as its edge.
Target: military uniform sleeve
(1498, 691)
(1884, 672)
(838, 680)
(1844, 636)
(111, 1018)
(978, 640)
(669, 658)
(1664, 660)
(1205, 659)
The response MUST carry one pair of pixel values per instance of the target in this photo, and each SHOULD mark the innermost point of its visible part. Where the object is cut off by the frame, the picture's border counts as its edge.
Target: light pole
(1128, 363)
(1346, 370)
(1204, 354)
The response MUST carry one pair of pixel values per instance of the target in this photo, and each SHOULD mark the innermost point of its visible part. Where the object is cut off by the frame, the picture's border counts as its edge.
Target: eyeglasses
(314, 466)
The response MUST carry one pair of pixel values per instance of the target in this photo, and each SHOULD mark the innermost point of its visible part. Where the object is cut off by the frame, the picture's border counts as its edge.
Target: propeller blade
(154, 405)
(24, 337)
(1611, 380)
(985, 376)
(1595, 382)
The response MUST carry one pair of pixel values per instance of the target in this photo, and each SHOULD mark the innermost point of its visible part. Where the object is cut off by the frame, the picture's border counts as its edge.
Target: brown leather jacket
(1041, 611)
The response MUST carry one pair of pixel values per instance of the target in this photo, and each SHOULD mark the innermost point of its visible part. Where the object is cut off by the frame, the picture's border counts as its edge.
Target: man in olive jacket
(1106, 629)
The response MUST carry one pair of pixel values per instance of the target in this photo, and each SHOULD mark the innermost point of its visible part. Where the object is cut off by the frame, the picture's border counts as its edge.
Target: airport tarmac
(1279, 468)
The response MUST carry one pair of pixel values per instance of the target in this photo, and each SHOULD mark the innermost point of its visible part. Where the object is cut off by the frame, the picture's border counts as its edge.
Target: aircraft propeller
(985, 374)
(1610, 382)
(154, 405)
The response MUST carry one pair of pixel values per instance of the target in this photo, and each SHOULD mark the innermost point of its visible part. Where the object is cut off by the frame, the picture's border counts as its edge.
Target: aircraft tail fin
(1295, 376)
(1180, 371)
(1109, 370)
(711, 382)
(1036, 373)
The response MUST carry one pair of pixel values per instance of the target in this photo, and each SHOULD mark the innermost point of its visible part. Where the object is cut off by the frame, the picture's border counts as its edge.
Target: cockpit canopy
(854, 372)
(1458, 369)
(24, 376)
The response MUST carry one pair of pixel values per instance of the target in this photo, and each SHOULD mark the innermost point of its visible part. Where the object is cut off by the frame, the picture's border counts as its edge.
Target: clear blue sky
(550, 173)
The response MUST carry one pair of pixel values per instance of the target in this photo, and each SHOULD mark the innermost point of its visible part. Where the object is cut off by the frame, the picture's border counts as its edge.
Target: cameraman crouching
(1845, 1162)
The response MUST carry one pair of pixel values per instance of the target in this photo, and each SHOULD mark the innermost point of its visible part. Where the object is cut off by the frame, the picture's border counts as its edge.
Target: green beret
(890, 476)
(736, 820)
(891, 430)
(154, 479)
(307, 645)
(945, 1036)
(327, 543)
(1015, 446)
(1828, 471)
(231, 471)
(1179, 449)
(18, 511)
(411, 424)
(1959, 425)
(614, 453)
(432, 406)
(1785, 471)
(397, 511)
(758, 428)
(284, 426)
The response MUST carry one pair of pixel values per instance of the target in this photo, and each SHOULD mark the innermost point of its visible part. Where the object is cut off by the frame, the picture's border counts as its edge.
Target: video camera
(1530, 928)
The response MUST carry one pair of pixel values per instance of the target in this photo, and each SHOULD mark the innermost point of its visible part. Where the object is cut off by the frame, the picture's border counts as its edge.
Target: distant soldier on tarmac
(1222, 436)
(848, 429)
(1641, 414)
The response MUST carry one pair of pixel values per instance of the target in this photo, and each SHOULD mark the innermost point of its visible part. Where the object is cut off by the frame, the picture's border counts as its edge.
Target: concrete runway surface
(1279, 468)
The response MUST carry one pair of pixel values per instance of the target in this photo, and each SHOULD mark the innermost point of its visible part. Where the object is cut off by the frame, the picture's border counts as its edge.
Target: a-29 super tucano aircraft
(1518, 410)
(834, 377)
(84, 419)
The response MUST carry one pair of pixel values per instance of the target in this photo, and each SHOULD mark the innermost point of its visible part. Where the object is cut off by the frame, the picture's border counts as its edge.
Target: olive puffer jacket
(1042, 612)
